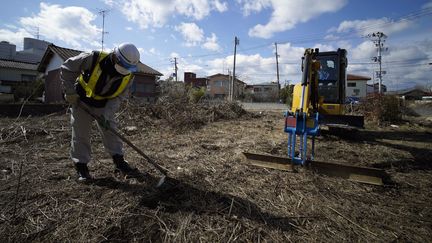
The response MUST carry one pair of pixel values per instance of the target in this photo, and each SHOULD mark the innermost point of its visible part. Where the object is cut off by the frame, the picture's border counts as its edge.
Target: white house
(356, 86)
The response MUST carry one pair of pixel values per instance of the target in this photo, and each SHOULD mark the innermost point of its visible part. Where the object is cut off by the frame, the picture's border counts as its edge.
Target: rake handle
(124, 139)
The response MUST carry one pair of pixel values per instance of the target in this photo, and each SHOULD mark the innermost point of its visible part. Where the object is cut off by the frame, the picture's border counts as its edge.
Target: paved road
(264, 106)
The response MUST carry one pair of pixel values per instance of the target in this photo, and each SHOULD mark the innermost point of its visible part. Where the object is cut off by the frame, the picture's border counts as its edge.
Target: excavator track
(361, 174)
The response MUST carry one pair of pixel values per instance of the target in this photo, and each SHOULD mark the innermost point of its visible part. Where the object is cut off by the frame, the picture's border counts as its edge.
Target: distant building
(191, 79)
(218, 86)
(19, 67)
(33, 51)
(374, 88)
(14, 73)
(144, 86)
(356, 86)
(410, 94)
(264, 92)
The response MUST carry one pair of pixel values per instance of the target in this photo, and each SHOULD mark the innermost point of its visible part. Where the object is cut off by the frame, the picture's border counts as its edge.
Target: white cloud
(365, 27)
(128, 28)
(220, 6)
(153, 51)
(427, 5)
(174, 54)
(250, 6)
(363, 51)
(211, 43)
(72, 25)
(192, 34)
(287, 13)
(406, 65)
(155, 13)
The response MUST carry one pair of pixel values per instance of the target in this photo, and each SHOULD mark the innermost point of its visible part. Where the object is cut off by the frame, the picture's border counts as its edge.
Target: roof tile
(18, 65)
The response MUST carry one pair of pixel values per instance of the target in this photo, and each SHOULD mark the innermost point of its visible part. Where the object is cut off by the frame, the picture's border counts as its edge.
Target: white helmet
(128, 57)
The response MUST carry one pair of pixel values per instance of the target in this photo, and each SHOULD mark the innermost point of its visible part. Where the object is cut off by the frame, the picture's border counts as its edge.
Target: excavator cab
(331, 89)
(331, 81)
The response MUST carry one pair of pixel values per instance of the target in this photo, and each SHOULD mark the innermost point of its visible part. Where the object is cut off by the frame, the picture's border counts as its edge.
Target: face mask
(121, 70)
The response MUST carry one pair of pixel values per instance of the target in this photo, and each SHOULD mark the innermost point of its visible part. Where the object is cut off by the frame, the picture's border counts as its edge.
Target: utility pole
(379, 38)
(175, 68)
(229, 83)
(236, 42)
(103, 13)
(277, 69)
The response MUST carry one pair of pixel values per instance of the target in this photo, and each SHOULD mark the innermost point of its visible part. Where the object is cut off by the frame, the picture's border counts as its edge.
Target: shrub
(29, 90)
(195, 94)
(382, 108)
(286, 94)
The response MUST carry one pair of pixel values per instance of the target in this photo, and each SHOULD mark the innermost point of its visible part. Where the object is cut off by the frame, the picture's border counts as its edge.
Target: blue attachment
(301, 130)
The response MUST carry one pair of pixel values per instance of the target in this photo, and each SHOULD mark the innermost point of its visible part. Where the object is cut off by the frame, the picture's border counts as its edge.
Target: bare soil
(211, 196)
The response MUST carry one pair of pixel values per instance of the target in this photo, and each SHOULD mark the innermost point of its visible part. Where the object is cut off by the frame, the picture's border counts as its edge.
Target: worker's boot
(83, 172)
(121, 165)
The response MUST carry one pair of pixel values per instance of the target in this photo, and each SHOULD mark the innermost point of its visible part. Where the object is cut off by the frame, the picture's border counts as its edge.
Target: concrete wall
(356, 88)
(262, 93)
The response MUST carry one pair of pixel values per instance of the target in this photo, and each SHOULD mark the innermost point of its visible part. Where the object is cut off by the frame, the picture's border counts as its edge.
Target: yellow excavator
(328, 96)
(317, 100)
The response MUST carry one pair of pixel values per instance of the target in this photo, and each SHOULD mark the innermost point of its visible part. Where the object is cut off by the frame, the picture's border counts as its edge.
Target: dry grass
(211, 196)
(382, 109)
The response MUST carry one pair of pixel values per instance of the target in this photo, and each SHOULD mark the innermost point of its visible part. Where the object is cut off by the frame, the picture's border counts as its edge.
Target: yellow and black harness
(89, 85)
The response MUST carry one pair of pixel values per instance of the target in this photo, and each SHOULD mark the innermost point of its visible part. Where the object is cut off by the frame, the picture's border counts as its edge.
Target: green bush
(286, 94)
(195, 94)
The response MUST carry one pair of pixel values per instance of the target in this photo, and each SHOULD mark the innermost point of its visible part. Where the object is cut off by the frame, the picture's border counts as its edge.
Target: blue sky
(200, 33)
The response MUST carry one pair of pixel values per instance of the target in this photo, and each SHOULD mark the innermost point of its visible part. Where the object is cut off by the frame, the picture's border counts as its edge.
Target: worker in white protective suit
(99, 81)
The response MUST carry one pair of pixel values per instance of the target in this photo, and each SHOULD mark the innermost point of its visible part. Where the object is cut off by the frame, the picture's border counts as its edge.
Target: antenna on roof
(103, 13)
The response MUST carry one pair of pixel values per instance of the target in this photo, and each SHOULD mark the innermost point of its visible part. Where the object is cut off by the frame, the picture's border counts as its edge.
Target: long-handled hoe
(101, 120)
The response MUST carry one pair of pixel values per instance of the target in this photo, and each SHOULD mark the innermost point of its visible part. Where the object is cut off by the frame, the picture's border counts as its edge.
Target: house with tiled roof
(13, 73)
(144, 86)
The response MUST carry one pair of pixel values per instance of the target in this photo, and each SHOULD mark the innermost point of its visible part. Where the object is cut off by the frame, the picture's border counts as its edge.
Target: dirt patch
(211, 196)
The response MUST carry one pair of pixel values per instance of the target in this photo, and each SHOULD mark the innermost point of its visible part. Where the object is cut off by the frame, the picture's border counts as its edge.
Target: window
(218, 83)
(267, 89)
(328, 69)
(352, 84)
(144, 88)
(28, 78)
(257, 89)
